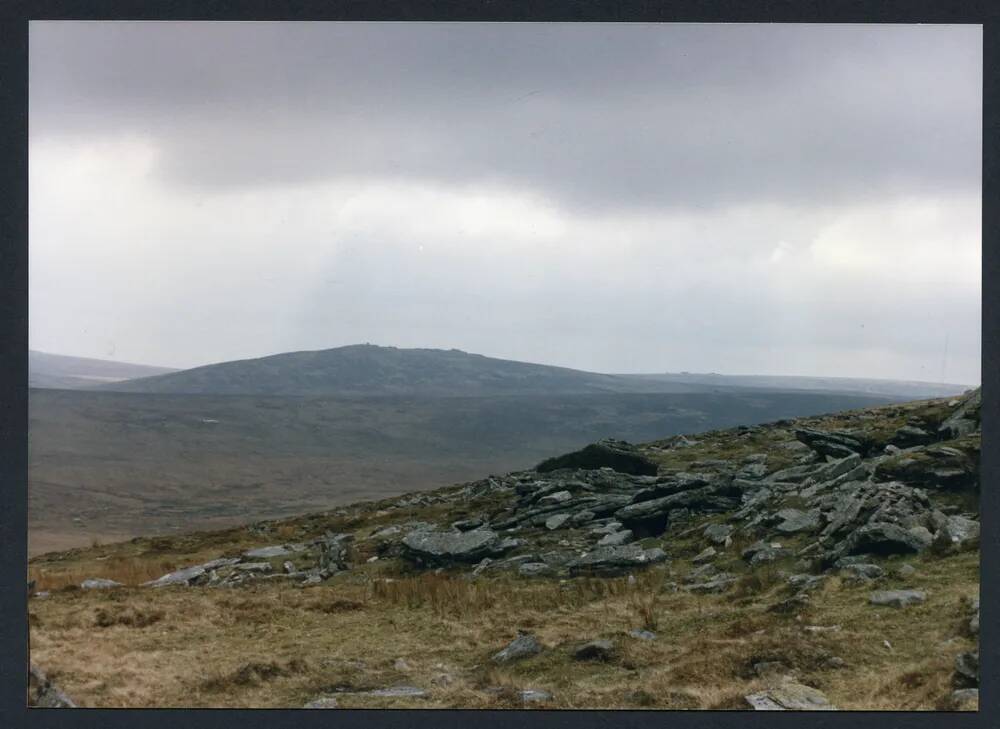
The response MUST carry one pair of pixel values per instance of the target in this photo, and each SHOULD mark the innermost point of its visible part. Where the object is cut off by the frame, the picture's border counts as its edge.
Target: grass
(275, 645)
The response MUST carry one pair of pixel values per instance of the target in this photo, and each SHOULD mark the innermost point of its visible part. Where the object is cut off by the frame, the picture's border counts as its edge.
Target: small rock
(401, 665)
(642, 634)
(717, 533)
(897, 598)
(99, 584)
(595, 650)
(965, 699)
(790, 696)
(324, 702)
(523, 646)
(530, 696)
(554, 522)
(967, 670)
(704, 555)
(771, 669)
(557, 498)
(399, 692)
(616, 539)
(533, 569)
(865, 571)
(906, 570)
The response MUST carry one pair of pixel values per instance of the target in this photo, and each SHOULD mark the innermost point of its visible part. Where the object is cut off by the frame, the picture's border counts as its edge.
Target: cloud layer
(772, 199)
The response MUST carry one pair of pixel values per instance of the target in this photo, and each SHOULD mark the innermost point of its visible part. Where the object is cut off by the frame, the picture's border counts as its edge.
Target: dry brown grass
(276, 645)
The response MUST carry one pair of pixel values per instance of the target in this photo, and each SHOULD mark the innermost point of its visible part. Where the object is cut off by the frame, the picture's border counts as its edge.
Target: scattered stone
(642, 634)
(965, 699)
(761, 552)
(704, 556)
(323, 702)
(865, 571)
(555, 522)
(806, 582)
(530, 696)
(897, 598)
(616, 539)
(796, 520)
(253, 567)
(790, 696)
(771, 669)
(718, 533)
(534, 569)
(616, 561)
(99, 584)
(906, 570)
(278, 550)
(409, 692)
(523, 646)
(401, 665)
(967, 670)
(720, 583)
(958, 532)
(595, 650)
(467, 525)
(557, 497)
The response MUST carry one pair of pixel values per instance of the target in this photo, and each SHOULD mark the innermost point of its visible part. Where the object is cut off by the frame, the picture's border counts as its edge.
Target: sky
(741, 199)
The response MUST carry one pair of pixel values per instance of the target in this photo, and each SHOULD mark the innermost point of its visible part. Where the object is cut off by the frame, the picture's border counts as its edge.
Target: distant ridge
(73, 373)
(364, 370)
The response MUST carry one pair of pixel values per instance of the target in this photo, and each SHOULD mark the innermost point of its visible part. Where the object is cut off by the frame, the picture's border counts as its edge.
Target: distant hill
(367, 370)
(61, 371)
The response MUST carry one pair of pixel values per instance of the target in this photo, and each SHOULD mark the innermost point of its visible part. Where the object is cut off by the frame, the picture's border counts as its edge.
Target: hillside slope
(61, 371)
(365, 370)
(113, 465)
(828, 562)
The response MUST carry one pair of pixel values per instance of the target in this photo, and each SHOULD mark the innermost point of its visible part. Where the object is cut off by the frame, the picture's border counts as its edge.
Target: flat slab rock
(610, 561)
(897, 598)
(470, 546)
(790, 696)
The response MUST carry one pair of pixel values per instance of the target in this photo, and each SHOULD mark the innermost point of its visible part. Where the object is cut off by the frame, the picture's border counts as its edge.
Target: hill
(369, 370)
(828, 562)
(61, 371)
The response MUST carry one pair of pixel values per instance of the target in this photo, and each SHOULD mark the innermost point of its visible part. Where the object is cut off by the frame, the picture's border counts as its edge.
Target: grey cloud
(590, 116)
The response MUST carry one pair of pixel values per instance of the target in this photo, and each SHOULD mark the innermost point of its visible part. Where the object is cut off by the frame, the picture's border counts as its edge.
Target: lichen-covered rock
(614, 561)
(435, 547)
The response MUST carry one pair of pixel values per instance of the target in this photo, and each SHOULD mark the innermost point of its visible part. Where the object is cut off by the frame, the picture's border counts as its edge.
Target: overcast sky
(744, 199)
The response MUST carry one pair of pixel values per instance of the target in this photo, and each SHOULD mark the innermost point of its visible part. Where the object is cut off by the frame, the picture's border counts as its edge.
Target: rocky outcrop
(616, 454)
